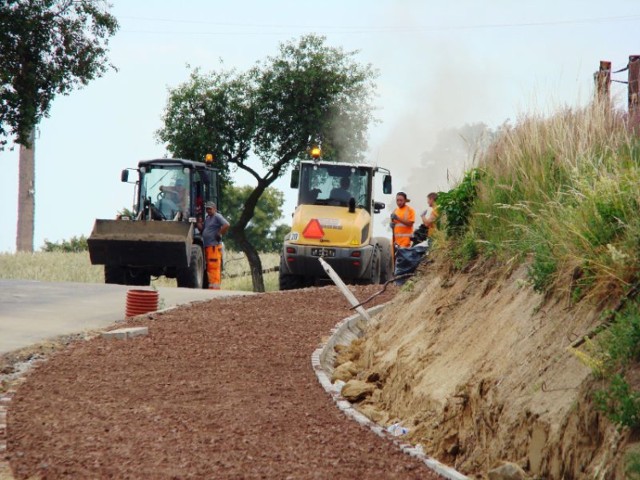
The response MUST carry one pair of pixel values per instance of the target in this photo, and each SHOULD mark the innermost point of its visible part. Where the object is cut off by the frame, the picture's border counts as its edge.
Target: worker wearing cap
(402, 220)
(212, 228)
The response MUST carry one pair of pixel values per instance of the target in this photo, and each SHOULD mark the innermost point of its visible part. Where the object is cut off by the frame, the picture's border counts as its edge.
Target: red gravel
(222, 389)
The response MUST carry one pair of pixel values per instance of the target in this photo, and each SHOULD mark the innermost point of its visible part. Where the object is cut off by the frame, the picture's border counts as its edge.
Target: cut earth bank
(475, 364)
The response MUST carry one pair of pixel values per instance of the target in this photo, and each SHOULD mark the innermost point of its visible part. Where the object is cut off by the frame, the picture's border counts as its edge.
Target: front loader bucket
(141, 243)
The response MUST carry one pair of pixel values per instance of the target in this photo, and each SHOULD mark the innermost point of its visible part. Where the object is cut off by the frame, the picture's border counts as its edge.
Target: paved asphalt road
(32, 311)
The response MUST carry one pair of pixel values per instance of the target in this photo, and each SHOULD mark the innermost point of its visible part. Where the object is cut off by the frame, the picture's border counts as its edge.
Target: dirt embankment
(476, 365)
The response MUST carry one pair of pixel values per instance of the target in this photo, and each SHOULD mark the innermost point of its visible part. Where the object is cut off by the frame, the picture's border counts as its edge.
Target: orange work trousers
(214, 259)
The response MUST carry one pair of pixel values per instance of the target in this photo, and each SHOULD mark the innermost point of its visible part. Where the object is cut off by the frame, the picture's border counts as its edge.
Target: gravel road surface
(222, 389)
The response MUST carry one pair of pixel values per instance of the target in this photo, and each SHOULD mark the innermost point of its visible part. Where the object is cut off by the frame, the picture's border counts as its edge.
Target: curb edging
(344, 333)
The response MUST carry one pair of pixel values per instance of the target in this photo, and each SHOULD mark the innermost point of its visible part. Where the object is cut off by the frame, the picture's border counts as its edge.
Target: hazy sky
(442, 64)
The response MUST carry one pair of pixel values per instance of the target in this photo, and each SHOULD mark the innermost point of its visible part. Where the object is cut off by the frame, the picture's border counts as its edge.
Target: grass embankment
(562, 192)
(563, 195)
(76, 267)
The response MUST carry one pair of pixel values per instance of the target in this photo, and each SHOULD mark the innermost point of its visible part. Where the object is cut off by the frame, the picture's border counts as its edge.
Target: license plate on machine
(323, 252)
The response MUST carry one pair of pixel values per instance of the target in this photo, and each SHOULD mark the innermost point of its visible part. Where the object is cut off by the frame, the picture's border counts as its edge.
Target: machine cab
(173, 189)
(335, 184)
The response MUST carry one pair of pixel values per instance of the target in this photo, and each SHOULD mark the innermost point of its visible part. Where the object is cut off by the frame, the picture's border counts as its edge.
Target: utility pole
(634, 90)
(26, 196)
(603, 83)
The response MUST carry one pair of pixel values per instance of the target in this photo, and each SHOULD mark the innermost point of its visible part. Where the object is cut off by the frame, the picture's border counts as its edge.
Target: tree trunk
(237, 230)
(26, 196)
(254, 260)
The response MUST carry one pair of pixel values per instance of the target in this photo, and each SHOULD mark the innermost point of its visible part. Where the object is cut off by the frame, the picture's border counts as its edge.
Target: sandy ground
(222, 389)
(476, 365)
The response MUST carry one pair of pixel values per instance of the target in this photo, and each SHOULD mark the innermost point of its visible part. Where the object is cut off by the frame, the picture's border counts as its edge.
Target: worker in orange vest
(213, 226)
(402, 220)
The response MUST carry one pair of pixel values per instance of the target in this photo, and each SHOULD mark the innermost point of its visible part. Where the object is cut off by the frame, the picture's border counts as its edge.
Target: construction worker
(212, 228)
(402, 220)
(430, 216)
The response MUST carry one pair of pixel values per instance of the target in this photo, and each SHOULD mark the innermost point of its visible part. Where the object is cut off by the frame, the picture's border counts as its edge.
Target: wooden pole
(634, 91)
(603, 82)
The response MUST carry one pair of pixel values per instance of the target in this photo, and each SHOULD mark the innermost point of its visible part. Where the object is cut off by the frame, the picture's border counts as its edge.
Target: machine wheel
(288, 281)
(386, 265)
(193, 275)
(376, 270)
(114, 274)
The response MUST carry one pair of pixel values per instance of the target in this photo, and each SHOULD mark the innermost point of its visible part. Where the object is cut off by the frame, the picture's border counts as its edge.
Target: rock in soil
(356, 390)
(508, 471)
(344, 372)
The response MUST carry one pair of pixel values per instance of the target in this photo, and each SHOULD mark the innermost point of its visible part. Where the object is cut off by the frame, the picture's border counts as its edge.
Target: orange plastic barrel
(141, 301)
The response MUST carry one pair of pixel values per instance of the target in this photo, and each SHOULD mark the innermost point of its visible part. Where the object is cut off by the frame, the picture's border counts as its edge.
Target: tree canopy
(47, 47)
(263, 231)
(264, 119)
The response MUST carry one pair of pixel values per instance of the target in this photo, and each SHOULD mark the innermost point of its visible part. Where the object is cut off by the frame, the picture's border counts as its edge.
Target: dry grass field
(76, 267)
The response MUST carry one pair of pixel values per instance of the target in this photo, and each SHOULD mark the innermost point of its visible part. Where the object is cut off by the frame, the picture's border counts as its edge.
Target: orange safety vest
(401, 232)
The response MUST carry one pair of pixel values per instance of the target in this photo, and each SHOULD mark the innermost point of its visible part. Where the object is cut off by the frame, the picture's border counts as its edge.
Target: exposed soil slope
(222, 389)
(476, 366)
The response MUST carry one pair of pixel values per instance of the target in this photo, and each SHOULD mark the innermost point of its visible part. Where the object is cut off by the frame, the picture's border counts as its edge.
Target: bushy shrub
(455, 205)
(619, 350)
(542, 267)
(74, 244)
(620, 402)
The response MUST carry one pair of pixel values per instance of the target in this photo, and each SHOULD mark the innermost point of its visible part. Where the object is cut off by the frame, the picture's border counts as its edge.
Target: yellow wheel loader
(334, 220)
(160, 237)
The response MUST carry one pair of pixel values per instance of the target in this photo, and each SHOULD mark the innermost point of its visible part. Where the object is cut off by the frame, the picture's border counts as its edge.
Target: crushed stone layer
(222, 389)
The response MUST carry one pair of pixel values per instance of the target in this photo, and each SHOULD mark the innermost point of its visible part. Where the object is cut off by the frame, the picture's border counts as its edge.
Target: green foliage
(74, 244)
(619, 350)
(465, 250)
(126, 212)
(47, 48)
(456, 204)
(632, 466)
(543, 266)
(622, 341)
(263, 231)
(620, 402)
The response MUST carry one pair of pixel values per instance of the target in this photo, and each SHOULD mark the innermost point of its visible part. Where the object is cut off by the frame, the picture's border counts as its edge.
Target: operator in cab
(402, 220)
(342, 194)
(213, 227)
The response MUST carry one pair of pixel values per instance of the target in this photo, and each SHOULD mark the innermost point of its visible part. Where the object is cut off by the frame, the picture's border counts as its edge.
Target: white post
(343, 288)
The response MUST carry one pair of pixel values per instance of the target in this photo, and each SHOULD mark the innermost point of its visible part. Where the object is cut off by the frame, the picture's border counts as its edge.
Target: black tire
(287, 281)
(376, 267)
(386, 265)
(114, 274)
(193, 275)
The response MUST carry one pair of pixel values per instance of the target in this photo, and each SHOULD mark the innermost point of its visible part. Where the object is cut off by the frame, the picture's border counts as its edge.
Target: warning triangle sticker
(313, 229)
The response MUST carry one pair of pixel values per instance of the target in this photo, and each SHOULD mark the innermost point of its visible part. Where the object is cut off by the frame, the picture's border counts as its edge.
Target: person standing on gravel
(402, 220)
(212, 228)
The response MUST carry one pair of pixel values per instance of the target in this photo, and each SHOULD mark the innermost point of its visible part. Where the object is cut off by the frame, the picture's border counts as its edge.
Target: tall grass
(75, 267)
(563, 192)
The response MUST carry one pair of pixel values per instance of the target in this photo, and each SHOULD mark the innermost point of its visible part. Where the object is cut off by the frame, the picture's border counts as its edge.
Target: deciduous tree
(263, 231)
(263, 120)
(47, 47)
